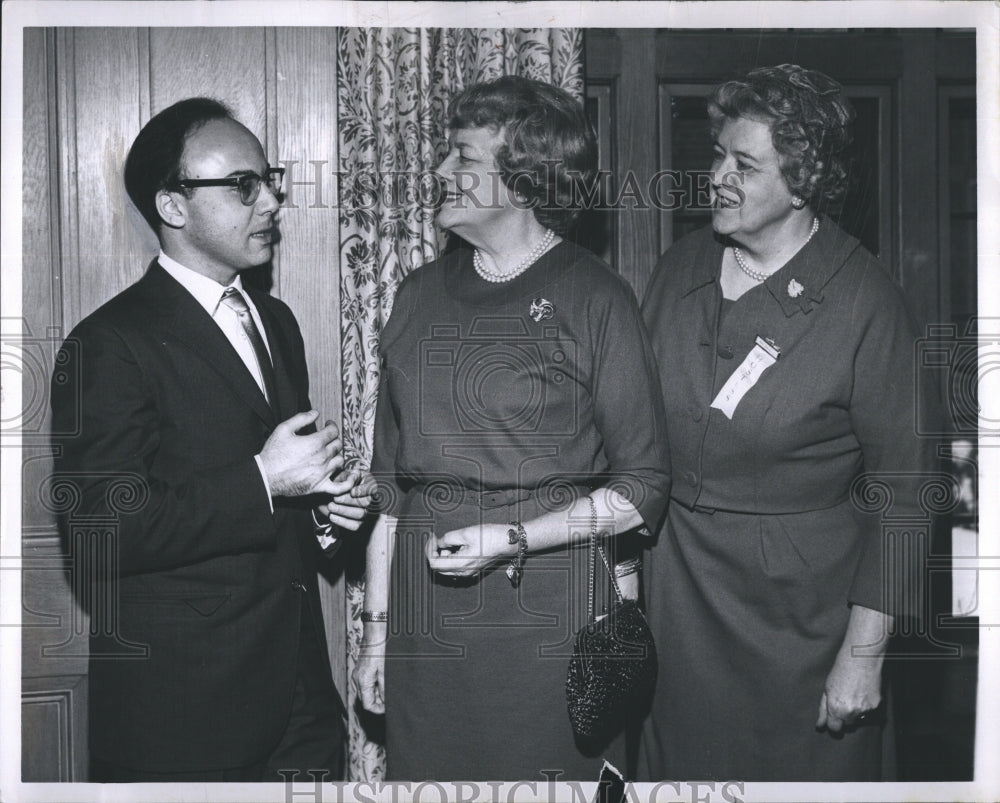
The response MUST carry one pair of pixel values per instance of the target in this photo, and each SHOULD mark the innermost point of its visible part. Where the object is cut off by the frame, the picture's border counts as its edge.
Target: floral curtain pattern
(394, 89)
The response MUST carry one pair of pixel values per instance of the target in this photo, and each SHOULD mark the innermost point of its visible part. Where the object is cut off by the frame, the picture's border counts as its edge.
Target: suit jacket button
(726, 352)
(691, 478)
(695, 413)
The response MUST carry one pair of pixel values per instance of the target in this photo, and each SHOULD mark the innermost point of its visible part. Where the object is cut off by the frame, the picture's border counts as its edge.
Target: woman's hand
(854, 685)
(464, 552)
(347, 510)
(369, 671)
(853, 688)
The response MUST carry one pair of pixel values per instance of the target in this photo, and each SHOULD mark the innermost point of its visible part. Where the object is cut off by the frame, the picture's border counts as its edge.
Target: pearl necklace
(757, 276)
(496, 277)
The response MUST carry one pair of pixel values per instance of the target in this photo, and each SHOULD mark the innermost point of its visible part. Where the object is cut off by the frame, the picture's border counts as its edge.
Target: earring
(798, 203)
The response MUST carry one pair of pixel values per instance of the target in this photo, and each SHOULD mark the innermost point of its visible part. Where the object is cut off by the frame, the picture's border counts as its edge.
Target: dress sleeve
(628, 407)
(384, 451)
(898, 460)
(386, 442)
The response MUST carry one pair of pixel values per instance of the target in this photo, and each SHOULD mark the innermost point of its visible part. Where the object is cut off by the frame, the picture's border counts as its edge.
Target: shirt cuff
(267, 484)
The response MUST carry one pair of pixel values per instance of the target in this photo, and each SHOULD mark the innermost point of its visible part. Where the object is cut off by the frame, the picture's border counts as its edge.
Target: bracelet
(517, 535)
(627, 567)
(374, 616)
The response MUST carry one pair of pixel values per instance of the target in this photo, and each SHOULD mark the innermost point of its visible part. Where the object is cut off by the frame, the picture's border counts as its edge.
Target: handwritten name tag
(761, 357)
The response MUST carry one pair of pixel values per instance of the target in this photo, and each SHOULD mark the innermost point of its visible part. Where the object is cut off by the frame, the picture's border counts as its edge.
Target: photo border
(983, 16)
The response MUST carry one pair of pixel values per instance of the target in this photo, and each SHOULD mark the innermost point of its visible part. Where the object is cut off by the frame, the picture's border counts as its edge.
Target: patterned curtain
(394, 89)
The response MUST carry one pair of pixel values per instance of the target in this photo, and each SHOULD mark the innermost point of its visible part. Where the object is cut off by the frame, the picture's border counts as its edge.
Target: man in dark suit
(191, 392)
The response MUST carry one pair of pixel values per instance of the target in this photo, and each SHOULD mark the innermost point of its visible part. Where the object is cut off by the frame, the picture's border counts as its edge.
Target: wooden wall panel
(54, 743)
(45, 716)
(41, 291)
(99, 118)
(54, 629)
(716, 56)
(638, 241)
(39, 284)
(305, 124)
(917, 179)
(223, 63)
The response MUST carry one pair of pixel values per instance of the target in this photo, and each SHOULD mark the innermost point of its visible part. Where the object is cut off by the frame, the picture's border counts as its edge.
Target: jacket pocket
(173, 607)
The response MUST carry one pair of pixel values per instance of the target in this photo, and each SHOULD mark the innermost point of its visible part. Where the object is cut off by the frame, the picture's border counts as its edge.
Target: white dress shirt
(208, 293)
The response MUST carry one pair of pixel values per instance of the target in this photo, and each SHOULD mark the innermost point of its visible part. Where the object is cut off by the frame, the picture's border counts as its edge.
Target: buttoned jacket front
(838, 402)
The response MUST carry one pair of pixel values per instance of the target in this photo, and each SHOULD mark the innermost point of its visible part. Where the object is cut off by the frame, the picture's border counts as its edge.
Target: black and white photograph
(486, 401)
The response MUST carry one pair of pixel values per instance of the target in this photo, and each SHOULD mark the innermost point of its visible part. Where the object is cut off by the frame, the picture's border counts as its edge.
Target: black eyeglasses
(248, 184)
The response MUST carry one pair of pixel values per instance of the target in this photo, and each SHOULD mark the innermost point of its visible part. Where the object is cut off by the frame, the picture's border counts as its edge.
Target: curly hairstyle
(810, 121)
(549, 151)
(154, 160)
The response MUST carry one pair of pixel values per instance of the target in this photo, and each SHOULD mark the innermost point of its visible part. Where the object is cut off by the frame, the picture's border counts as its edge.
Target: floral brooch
(541, 310)
(794, 289)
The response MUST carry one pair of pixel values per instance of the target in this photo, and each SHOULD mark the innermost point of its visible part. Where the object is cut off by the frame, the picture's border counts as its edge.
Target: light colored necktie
(234, 300)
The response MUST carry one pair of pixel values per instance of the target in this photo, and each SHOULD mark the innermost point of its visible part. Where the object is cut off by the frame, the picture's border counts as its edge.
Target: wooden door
(87, 92)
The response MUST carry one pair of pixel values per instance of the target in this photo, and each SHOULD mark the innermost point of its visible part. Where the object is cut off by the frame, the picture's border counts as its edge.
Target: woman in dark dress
(518, 395)
(786, 360)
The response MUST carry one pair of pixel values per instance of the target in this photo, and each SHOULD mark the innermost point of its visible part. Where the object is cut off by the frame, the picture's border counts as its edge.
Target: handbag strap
(595, 550)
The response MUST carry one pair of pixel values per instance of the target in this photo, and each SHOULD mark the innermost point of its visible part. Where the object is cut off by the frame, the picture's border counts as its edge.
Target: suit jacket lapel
(281, 350)
(185, 320)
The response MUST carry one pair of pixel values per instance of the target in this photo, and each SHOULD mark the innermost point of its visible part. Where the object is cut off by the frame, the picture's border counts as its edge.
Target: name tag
(761, 357)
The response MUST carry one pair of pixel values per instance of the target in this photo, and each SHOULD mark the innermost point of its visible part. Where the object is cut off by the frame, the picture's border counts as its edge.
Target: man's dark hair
(154, 160)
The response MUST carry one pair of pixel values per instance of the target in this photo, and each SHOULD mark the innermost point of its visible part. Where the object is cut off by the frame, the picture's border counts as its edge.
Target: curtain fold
(394, 89)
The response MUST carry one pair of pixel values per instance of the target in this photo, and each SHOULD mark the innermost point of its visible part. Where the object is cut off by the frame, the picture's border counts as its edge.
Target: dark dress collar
(798, 285)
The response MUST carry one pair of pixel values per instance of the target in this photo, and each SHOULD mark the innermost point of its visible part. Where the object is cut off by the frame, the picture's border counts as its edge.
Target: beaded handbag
(613, 668)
